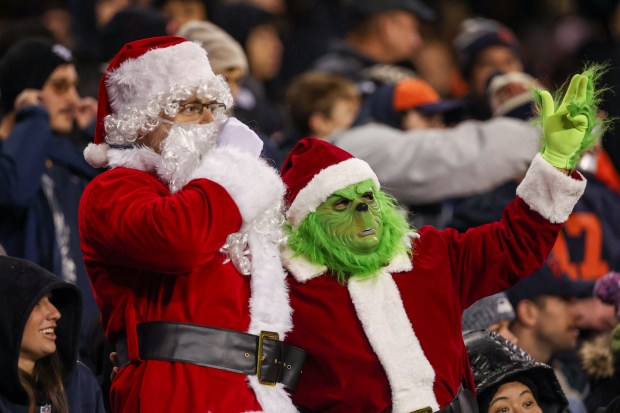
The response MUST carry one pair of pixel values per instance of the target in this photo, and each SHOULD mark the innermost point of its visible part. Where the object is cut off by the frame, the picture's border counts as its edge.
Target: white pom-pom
(97, 155)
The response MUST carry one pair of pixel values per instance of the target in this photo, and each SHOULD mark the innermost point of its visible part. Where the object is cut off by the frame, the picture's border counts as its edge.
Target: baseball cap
(415, 93)
(416, 7)
(549, 280)
(388, 103)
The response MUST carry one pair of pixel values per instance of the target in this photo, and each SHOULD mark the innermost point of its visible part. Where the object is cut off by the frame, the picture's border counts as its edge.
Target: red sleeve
(129, 218)
(493, 257)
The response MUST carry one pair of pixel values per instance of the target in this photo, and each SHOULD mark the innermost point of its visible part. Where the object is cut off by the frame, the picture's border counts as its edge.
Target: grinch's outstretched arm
(568, 127)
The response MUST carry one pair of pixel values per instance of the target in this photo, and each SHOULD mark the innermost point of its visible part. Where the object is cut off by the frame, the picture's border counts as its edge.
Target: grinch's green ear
(582, 104)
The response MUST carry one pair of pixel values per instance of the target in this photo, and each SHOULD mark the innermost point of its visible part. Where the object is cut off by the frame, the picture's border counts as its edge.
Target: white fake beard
(182, 151)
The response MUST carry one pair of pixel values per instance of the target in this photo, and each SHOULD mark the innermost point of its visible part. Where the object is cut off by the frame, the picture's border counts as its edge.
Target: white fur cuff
(550, 192)
(252, 183)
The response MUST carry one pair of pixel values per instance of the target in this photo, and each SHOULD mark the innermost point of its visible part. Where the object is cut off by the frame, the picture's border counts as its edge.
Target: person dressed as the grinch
(378, 307)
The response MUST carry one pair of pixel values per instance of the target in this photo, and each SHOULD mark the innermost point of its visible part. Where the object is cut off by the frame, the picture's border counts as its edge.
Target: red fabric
(450, 272)
(152, 255)
(131, 50)
(307, 158)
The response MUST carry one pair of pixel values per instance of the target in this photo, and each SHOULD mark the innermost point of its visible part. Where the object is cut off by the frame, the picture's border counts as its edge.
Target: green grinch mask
(355, 232)
(352, 216)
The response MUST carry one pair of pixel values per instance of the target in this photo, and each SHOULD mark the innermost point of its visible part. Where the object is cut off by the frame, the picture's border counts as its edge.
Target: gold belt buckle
(426, 409)
(260, 357)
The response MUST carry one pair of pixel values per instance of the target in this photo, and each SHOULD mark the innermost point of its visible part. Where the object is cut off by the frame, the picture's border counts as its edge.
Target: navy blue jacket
(32, 212)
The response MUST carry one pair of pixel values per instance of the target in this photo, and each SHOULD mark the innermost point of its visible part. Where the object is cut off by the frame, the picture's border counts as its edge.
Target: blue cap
(549, 280)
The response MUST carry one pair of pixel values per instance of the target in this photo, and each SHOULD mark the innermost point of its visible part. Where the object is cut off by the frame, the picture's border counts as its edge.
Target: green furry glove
(567, 127)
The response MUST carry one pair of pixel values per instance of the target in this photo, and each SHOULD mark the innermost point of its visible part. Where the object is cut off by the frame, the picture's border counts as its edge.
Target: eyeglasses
(62, 85)
(193, 110)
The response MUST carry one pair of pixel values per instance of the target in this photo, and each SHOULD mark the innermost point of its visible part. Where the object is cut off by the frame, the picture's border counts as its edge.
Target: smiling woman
(39, 330)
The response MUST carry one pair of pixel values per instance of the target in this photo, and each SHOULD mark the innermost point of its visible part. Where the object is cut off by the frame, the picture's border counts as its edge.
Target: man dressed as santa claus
(181, 240)
(378, 307)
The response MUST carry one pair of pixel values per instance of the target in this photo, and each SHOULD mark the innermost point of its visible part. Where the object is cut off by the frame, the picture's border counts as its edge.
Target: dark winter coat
(603, 368)
(495, 361)
(42, 177)
(22, 285)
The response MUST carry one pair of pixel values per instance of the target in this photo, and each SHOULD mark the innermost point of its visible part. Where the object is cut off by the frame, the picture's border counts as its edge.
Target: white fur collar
(303, 270)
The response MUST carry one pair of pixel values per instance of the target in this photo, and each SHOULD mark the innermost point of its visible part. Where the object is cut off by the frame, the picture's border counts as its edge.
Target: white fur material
(137, 82)
(142, 158)
(325, 183)
(302, 269)
(380, 309)
(256, 188)
(252, 183)
(97, 155)
(549, 191)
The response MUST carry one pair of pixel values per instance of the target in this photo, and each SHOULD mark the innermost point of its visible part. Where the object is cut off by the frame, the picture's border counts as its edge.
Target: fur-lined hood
(597, 358)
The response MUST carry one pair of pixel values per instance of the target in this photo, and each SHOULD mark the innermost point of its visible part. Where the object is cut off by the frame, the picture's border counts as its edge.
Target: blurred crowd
(435, 95)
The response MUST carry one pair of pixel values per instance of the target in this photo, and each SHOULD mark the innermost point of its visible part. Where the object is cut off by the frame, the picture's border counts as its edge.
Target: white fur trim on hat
(325, 183)
(137, 81)
(380, 309)
(97, 155)
(549, 191)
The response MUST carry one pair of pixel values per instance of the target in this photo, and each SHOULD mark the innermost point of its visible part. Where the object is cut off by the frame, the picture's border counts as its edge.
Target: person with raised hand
(377, 305)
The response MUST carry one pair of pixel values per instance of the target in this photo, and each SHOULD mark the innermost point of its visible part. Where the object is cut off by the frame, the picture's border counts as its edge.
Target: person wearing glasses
(181, 240)
(42, 170)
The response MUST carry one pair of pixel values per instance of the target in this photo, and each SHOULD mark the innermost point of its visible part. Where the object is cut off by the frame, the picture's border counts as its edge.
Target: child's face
(343, 114)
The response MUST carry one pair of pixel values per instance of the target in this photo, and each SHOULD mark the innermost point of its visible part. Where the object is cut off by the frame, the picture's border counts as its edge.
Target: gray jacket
(424, 166)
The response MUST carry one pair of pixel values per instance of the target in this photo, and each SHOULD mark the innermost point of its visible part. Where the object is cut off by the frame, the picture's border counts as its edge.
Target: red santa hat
(145, 77)
(314, 170)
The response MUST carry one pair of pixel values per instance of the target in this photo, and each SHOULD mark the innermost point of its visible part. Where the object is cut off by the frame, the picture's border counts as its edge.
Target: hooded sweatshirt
(22, 285)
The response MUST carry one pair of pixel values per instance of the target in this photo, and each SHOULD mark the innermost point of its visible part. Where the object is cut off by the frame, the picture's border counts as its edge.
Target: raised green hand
(565, 127)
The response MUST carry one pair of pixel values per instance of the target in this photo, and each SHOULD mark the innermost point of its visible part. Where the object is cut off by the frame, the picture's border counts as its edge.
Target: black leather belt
(464, 402)
(272, 360)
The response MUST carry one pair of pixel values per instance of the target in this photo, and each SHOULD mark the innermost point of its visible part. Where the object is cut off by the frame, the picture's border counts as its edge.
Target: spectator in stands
(508, 379)
(320, 104)
(484, 47)
(40, 319)
(493, 313)
(42, 170)
(379, 34)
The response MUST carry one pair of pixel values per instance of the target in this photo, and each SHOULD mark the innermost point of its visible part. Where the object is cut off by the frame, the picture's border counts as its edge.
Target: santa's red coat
(358, 360)
(154, 256)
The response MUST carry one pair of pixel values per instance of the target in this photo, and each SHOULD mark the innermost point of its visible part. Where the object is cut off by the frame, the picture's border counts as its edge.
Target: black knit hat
(28, 64)
(477, 34)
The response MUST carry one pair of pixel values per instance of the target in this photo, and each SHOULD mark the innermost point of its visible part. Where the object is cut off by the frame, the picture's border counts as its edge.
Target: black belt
(273, 361)
(464, 402)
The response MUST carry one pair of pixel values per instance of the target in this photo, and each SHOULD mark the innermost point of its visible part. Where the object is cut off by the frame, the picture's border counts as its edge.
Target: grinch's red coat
(344, 372)
(152, 255)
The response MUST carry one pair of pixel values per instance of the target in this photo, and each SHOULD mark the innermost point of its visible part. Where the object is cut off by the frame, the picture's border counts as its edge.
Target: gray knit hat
(223, 50)
(486, 312)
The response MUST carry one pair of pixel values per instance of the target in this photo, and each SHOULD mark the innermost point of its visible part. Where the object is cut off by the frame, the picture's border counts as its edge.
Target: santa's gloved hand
(235, 134)
(565, 126)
